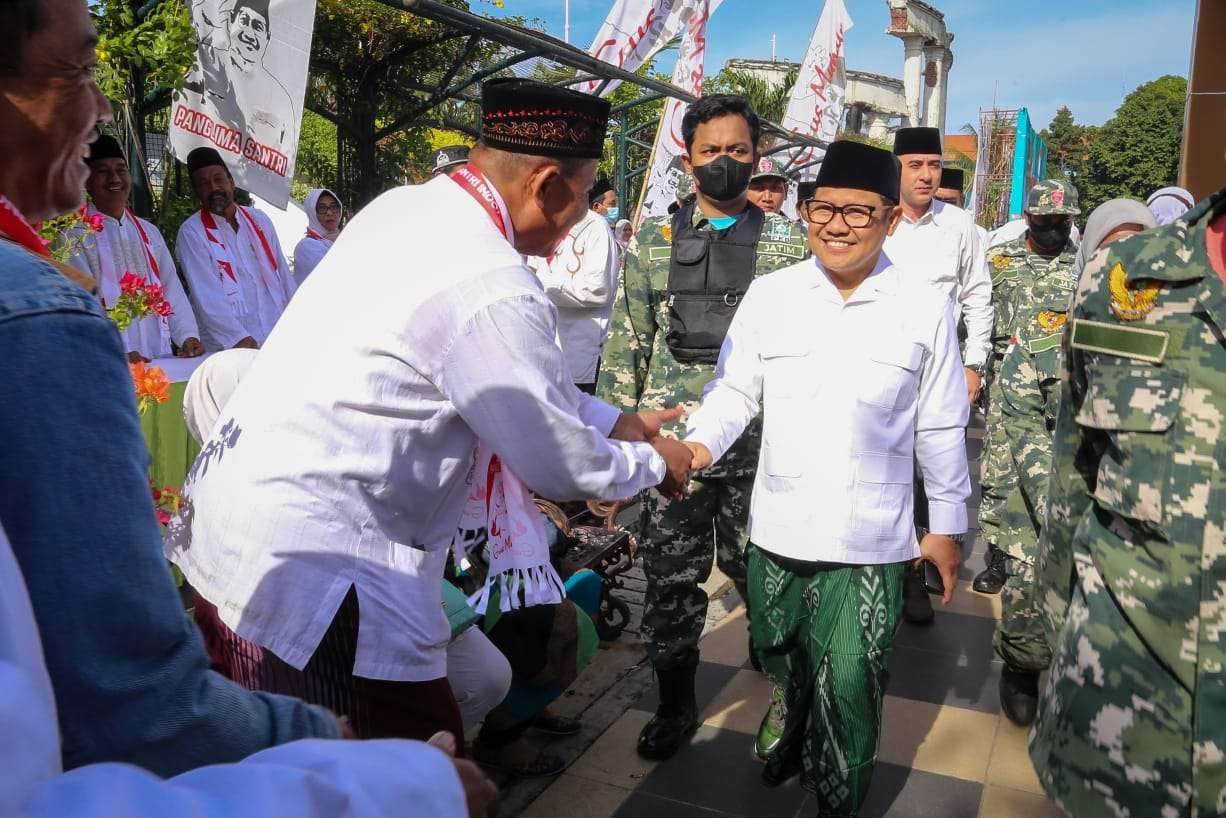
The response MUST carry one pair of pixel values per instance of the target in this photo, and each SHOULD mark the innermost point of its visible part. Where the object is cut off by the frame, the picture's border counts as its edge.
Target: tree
(1137, 151)
(375, 75)
(769, 99)
(1068, 148)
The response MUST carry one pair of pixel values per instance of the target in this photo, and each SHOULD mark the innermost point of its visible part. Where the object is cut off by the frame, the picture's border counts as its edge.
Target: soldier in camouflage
(639, 369)
(768, 187)
(1041, 255)
(1132, 561)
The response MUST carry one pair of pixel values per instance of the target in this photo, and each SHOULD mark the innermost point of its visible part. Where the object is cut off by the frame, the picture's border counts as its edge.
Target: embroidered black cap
(952, 178)
(525, 116)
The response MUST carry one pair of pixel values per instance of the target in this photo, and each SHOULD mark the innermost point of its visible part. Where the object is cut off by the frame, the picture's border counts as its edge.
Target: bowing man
(240, 281)
(129, 244)
(319, 514)
(854, 363)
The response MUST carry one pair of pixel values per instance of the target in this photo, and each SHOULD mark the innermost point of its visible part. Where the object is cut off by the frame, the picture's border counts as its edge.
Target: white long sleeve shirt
(222, 323)
(581, 281)
(341, 458)
(127, 252)
(944, 248)
(851, 393)
(305, 779)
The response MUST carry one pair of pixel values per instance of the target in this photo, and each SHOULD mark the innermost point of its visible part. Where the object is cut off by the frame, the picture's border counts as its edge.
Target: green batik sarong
(824, 633)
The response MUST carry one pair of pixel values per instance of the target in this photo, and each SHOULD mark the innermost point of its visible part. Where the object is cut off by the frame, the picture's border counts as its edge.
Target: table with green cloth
(171, 448)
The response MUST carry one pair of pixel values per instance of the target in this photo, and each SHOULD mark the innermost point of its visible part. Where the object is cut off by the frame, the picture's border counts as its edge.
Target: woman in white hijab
(323, 209)
(1169, 203)
(1111, 221)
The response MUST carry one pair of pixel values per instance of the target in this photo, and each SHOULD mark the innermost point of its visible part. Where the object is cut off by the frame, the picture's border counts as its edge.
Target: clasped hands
(680, 458)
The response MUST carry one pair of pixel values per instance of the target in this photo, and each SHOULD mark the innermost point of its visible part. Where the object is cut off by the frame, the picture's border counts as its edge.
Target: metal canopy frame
(527, 46)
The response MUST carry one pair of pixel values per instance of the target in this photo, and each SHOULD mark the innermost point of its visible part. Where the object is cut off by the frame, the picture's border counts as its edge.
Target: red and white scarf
(109, 274)
(224, 259)
(14, 227)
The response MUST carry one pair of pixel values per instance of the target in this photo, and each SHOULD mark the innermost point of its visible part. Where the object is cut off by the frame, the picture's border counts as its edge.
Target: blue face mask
(612, 215)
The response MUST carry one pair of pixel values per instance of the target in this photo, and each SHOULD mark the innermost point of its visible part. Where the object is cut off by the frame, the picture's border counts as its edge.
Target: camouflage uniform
(639, 372)
(1132, 562)
(1016, 271)
(1027, 393)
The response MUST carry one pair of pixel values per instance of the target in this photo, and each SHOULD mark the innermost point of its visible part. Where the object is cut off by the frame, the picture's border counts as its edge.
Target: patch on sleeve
(1036, 345)
(1131, 300)
(1052, 321)
(1137, 343)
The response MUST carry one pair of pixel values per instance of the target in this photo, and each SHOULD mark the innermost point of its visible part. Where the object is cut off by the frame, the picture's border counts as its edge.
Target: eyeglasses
(854, 215)
(327, 208)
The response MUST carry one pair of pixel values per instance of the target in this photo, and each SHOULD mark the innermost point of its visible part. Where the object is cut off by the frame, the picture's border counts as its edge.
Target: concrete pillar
(936, 79)
(912, 75)
(878, 124)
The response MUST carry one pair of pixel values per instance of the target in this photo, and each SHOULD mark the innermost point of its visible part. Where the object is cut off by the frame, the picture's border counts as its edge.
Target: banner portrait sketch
(244, 97)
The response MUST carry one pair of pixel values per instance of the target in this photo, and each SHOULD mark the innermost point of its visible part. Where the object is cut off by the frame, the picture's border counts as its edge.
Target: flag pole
(566, 21)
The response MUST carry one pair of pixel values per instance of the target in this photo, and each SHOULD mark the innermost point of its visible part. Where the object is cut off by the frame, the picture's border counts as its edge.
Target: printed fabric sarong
(824, 633)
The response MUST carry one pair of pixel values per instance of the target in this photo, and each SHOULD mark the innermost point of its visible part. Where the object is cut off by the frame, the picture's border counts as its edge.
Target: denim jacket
(130, 672)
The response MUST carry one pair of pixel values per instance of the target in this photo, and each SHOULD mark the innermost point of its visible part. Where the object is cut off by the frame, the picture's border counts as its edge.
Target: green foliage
(769, 99)
(156, 51)
(1137, 151)
(1068, 148)
(317, 159)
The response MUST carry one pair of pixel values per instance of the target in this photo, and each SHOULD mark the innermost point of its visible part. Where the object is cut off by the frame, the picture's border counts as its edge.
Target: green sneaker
(771, 730)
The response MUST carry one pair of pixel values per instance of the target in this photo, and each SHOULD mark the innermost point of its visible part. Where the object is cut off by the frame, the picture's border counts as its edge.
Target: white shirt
(222, 323)
(305, 779)
(943, 246)
(350, 465)
(127, 252)
(851, 394)
(307, 254)
(581, 281)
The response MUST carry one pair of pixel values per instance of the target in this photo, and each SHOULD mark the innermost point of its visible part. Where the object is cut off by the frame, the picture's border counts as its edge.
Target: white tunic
(851, 394)
(581, 281)
(944, 247)
(341, 458)
(223, 322)
(127, 252)
(307, 254)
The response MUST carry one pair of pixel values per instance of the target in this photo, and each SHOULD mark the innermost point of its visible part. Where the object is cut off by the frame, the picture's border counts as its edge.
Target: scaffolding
(1012, 157)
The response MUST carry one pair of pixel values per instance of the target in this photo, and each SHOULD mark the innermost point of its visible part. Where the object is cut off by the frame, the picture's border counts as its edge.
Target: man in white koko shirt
(854, 364)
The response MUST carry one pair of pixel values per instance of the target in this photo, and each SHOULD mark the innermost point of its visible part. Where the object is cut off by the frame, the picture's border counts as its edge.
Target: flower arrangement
(166, 501)
(152, 386)
(138, 299)
(64, 235)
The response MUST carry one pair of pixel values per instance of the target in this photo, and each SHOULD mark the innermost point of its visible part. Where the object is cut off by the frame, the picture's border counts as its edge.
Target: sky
(1037, 54)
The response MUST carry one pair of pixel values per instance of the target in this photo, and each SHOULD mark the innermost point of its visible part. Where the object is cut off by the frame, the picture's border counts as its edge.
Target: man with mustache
(240, 281)
(684, 276)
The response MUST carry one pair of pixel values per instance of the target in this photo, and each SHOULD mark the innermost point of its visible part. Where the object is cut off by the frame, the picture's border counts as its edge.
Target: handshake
(682, 459)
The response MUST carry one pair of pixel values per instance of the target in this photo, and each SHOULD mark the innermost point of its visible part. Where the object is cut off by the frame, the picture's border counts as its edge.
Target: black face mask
(724, 179)
(1052, 237)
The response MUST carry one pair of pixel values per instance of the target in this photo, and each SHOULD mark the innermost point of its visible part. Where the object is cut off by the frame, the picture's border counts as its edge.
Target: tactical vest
(708, 274)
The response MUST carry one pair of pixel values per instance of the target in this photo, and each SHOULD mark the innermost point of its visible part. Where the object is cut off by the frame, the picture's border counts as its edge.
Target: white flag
(816, 104)
(244, 97)
(635, 31)
(666, 165)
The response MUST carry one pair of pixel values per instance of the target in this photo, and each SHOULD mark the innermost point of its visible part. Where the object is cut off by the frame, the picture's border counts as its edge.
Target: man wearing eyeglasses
(853, 363)
(939, 243)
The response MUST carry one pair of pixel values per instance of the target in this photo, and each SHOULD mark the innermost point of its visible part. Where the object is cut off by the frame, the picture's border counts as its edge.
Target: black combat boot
(1019, 695)
(916, 606)
(676, 716)
(991, 579)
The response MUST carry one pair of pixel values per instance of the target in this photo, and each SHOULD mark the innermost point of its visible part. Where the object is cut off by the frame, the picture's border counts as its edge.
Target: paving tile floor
(946, 750)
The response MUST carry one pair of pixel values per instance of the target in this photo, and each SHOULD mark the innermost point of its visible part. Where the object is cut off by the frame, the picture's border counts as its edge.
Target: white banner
(815, 107)
(636, 30)
(666, 165)
(244, 97)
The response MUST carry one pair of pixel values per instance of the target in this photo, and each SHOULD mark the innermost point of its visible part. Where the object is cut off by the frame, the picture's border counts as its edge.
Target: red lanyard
(15, 226)
(475, 184)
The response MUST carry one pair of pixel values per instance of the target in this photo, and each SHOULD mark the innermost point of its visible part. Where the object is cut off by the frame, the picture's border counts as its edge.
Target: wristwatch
(979, 369)
(921, 532)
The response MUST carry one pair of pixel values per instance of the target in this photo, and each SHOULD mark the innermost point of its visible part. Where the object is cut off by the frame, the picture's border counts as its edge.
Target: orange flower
(152, 385)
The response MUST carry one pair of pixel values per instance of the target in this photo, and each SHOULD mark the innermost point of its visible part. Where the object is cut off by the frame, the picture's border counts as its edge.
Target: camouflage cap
(768, 168)
(685, 186)
(1052, 198)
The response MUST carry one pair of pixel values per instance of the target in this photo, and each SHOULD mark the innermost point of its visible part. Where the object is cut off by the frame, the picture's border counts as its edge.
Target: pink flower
(131, 284)
(95, 222)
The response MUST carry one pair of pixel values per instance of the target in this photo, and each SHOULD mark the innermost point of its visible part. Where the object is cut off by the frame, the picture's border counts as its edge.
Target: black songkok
(599, 189)
(917, 140)
(860, 167)
(449, 157)
(203, 158)
(806, 191)
(525, 116)
(952, 178)
(104, 147)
